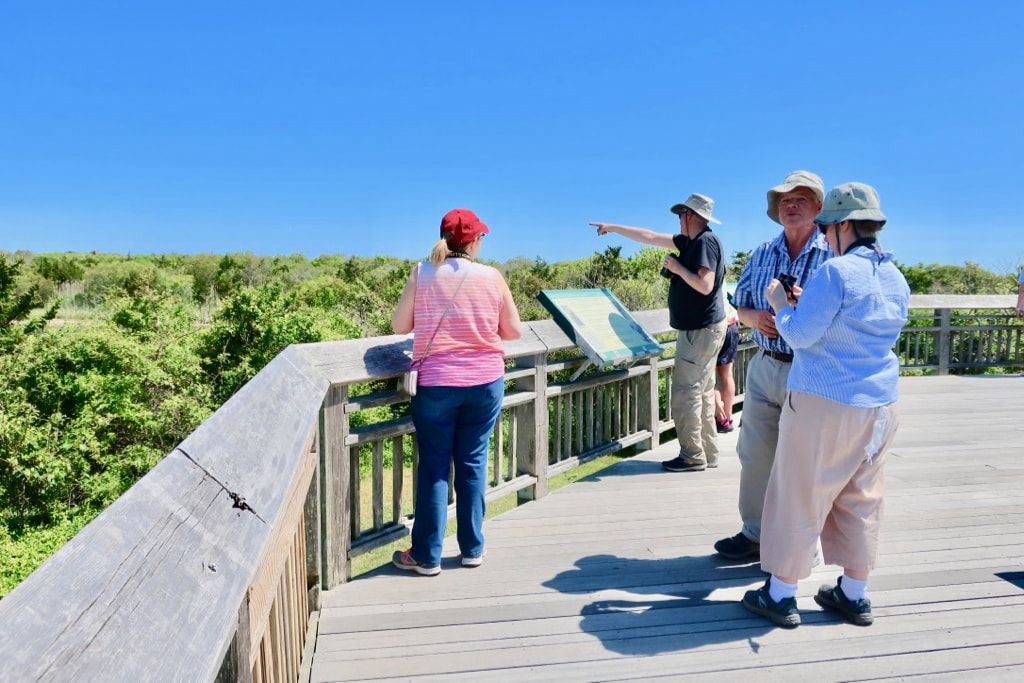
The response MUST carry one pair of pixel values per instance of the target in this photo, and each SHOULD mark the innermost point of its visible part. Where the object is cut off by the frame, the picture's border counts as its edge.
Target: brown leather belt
(781, 357)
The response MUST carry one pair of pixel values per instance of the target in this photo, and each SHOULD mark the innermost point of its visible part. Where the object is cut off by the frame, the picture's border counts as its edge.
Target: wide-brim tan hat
(701, 205)
(851, 202)
(794, 180)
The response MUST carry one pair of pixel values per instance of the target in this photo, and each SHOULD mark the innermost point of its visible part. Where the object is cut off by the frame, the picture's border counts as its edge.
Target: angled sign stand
(600, 325)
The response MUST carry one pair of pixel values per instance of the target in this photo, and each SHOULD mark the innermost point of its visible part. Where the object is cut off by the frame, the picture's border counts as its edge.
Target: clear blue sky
(344, 127)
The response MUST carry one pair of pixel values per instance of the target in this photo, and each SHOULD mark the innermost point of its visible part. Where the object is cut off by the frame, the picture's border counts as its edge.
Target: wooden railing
(201, 570)
(208, 568)
(943, 335)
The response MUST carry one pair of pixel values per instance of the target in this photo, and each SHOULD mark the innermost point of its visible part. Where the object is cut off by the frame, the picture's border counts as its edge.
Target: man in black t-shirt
(696, 310)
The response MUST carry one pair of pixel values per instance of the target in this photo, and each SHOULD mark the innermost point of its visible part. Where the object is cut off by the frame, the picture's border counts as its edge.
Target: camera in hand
(787, 281)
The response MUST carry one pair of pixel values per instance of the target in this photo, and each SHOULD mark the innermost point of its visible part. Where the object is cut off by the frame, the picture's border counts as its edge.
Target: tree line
(108, 360)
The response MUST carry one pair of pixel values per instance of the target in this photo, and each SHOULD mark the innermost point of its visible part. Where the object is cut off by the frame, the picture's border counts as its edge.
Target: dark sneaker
(738, 547)
(724, 426)
(857, 612)
(404, 560)
(680, 464)
(782, 613)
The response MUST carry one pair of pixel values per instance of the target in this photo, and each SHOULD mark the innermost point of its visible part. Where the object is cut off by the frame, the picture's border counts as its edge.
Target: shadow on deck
(612, 578)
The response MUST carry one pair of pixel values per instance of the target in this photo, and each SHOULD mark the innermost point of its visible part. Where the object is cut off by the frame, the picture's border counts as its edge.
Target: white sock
(780, 590)
(855, 589)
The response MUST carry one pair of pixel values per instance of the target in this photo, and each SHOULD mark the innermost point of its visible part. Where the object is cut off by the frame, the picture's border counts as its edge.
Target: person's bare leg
(727, 384)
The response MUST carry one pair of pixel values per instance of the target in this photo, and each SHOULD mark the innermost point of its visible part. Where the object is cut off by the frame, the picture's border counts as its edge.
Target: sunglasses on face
(823, 227)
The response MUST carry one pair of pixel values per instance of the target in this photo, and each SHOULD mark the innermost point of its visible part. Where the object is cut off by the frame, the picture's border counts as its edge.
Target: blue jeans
(452, 423)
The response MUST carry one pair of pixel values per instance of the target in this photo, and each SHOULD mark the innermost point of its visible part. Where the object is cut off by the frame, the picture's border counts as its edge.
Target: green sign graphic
(600, 325)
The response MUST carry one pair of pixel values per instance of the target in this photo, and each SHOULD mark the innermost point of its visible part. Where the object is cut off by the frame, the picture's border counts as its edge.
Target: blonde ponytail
(439, 252)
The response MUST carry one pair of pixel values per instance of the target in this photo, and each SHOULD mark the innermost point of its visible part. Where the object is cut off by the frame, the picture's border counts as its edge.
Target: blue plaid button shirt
(765, 264)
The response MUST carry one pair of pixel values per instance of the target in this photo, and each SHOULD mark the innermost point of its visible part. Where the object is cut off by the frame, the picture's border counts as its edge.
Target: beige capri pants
(827, 480)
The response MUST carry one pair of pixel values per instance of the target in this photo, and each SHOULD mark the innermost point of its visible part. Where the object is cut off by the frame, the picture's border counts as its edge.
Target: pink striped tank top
(467, 350)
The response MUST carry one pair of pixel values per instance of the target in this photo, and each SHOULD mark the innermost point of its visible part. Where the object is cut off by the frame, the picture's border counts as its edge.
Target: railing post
(648, 404)
(944, 343)
(311, 514)
(532, 439)
(236, 667)
(335, 489)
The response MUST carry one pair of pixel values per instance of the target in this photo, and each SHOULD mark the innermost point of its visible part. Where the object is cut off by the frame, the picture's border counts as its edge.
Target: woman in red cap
(460, 312)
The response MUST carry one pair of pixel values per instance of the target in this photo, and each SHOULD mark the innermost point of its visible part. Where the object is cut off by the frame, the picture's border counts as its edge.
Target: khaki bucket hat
(700, 205)
(851, 201)
(794, 180)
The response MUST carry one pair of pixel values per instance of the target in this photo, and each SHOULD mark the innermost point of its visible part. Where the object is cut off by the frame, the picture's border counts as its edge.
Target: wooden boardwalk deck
(612, 578)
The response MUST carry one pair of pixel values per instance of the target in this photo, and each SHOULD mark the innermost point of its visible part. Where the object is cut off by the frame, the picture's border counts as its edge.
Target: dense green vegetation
(108, 360)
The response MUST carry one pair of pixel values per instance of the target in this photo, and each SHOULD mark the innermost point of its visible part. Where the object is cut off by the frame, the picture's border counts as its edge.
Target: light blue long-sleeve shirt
(850, 315)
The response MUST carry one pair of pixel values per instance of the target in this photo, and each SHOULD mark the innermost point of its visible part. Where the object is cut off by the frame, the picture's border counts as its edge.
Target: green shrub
(253, 326)
(20, 554)
(85, 412)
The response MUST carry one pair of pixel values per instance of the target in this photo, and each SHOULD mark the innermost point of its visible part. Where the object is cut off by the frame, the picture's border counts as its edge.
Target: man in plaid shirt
(798, 251)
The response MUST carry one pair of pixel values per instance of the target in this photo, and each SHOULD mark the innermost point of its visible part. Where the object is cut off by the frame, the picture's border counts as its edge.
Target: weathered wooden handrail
(198, 570)
(208, 567)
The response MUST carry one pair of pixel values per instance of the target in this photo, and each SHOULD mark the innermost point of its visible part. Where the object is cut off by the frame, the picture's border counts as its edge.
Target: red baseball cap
(463, 226)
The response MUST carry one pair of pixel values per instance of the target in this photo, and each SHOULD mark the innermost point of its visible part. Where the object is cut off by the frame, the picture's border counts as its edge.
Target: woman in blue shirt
(840, 414)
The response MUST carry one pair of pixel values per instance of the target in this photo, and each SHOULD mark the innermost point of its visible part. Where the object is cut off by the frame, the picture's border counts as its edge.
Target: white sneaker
(473, 561)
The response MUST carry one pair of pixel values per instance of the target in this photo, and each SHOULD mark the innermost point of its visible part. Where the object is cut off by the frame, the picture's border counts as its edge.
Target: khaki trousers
(828, 479)
(759, 435)
(693, 392)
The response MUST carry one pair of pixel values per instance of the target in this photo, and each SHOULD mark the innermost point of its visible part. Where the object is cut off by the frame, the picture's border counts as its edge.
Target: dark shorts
(730, 345)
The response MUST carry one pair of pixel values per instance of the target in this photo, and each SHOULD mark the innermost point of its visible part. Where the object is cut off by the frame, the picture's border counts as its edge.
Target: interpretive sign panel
(600, 325)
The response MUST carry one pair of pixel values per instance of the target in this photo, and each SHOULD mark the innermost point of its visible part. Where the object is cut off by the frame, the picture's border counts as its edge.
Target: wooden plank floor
(613, 579)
